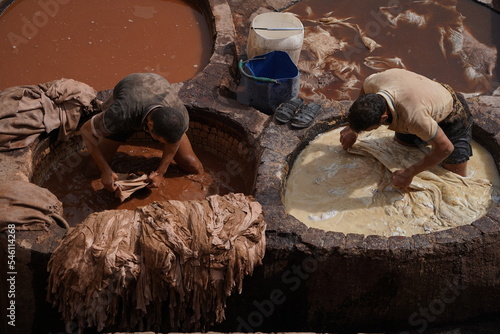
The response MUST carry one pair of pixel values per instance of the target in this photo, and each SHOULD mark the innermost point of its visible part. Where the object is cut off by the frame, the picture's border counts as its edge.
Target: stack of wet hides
(28, 111)
(29, 207)
(168, 265)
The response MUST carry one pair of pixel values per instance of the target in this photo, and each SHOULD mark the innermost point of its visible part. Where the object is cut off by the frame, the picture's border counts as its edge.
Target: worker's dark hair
(366, 111)
(169, 123)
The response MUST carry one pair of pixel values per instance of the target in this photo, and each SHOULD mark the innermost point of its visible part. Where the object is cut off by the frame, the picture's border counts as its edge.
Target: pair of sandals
(295, 110)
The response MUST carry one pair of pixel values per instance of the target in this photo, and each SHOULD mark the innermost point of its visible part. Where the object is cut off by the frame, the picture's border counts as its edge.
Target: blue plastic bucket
(270, 79)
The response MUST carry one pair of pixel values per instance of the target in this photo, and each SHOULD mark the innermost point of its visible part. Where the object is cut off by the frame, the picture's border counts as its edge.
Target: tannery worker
(141, 101)
(421, 111)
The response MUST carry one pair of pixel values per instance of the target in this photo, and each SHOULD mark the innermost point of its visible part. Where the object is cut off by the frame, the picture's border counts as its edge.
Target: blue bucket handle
(263, 79)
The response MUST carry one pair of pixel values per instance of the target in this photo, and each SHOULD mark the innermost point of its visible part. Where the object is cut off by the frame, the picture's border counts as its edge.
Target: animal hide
(165, 266)
(28, 111)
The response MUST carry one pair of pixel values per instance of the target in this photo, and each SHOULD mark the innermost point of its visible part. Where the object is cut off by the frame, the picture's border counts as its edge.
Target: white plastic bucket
(275, 32)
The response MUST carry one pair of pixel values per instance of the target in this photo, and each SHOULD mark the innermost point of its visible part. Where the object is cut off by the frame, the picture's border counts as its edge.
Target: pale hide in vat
(436, 198)
(335, 190)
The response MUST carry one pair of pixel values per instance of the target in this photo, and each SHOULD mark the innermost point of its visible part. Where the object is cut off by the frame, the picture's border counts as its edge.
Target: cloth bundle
(29, 207)
(128, 184)
(28, 111)
(168, 265)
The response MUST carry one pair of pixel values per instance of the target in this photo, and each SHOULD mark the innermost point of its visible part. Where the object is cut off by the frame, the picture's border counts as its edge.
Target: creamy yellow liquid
(334, 190)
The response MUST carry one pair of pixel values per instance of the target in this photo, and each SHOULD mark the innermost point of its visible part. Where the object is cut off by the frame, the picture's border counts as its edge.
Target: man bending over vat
(421, 111)
(141, 101)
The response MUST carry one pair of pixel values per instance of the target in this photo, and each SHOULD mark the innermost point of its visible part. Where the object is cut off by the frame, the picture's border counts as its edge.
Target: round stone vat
(110, 37)
(329, 281)
(220, 135)
(228, 159)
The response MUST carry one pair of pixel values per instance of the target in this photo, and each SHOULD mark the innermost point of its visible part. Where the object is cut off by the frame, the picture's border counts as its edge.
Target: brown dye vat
(81, 195)
(417, 47)
(99, 42)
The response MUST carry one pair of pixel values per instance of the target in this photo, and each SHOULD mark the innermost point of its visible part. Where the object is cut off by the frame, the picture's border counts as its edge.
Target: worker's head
(167, 123)
(367, 112)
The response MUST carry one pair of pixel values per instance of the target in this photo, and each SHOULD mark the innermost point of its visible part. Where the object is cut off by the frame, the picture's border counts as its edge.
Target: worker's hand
(348, 137)
(108, 180)
(154, 179)
(402, 178)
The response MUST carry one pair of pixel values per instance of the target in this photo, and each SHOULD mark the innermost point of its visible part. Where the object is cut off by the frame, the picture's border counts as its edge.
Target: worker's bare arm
(93, 141)
(441, 149)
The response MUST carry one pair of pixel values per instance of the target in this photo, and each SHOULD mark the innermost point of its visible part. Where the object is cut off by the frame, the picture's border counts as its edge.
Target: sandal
(306, 115)
(285, 111)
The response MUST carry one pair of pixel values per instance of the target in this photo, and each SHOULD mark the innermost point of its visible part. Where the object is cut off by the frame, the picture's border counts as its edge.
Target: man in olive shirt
(421, 111)
(141, 101)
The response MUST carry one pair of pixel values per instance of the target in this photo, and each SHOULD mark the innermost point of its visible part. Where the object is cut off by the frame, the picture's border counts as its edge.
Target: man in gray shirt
(141, 101)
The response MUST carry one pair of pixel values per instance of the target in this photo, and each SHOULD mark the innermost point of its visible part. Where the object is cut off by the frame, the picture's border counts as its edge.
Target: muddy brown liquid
(82, 195)
(99, 42)
(418, 47)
